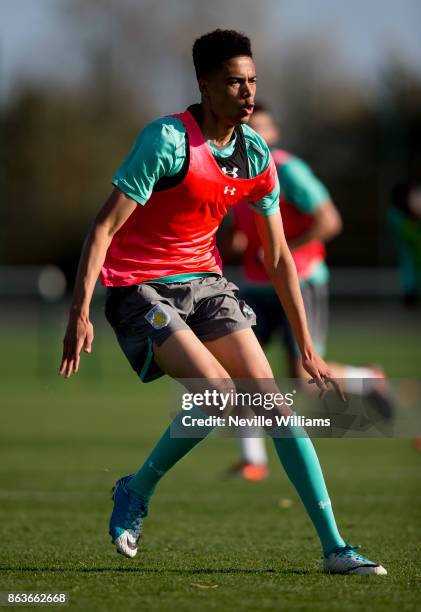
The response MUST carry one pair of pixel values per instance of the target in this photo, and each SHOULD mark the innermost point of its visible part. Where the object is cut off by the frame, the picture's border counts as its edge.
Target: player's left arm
(281, 270)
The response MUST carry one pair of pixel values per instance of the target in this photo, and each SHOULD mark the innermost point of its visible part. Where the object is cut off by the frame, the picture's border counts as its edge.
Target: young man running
(172, 310)
(310, 219)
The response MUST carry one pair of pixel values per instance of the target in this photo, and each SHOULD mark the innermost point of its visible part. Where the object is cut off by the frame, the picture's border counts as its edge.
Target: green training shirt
(160, 150)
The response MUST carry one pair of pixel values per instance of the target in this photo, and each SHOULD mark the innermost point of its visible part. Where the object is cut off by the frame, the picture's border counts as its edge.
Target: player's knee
(266, 388)
(255, 370)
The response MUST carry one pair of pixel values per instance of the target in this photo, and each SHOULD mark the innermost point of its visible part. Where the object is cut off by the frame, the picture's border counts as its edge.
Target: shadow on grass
(154, 570)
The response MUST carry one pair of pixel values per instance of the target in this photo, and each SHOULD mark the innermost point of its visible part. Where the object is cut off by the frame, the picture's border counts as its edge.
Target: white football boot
(345, 560)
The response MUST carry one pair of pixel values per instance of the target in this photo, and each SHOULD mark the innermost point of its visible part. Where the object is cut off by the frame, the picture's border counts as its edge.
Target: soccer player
(172, 310)
(309, 219)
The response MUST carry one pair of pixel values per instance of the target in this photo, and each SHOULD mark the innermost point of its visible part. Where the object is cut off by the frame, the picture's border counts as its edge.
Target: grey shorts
(271, 317)
(316, 302)
(148, 313)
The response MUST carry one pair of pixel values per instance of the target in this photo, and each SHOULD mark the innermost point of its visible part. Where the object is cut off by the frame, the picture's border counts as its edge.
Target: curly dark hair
(214, 48)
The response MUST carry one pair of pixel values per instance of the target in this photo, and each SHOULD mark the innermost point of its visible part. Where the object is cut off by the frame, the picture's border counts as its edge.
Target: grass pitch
(209, 543)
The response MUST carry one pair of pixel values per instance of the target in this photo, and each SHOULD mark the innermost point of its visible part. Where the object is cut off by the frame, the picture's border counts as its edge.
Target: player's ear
(204, 87)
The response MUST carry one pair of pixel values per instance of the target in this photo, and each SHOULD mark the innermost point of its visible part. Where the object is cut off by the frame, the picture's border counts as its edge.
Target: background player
(172, 311)
(405, 223)
(310, 219)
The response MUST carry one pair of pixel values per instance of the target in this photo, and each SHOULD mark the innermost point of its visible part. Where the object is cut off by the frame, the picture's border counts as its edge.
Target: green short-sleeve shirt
(300, 186)
(160, 150)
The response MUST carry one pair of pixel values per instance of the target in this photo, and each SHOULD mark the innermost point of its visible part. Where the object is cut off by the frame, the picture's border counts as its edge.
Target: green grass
(63, 444)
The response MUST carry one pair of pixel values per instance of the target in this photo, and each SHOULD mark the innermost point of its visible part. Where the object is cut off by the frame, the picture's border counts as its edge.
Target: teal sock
(299, 459)
(167, 452)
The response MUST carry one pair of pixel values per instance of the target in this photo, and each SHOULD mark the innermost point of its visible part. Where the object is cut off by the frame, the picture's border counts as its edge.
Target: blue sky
(34, 41)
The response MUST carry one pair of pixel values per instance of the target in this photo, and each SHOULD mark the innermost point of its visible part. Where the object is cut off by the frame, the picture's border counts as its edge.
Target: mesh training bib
(174, 232)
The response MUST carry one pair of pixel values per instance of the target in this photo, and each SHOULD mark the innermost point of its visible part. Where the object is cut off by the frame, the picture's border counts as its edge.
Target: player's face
(263, 123)
(229, 91)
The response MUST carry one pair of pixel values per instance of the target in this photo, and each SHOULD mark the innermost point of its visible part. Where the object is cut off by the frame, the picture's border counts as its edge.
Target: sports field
(209, 543)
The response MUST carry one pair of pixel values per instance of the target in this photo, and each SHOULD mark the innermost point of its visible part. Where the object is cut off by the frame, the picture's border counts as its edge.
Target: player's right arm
(158, 151)
(327, 224)
(79, 333)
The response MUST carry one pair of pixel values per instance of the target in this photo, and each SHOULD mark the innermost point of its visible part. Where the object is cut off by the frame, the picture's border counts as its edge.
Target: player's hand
(79, 335)
(321, 376)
